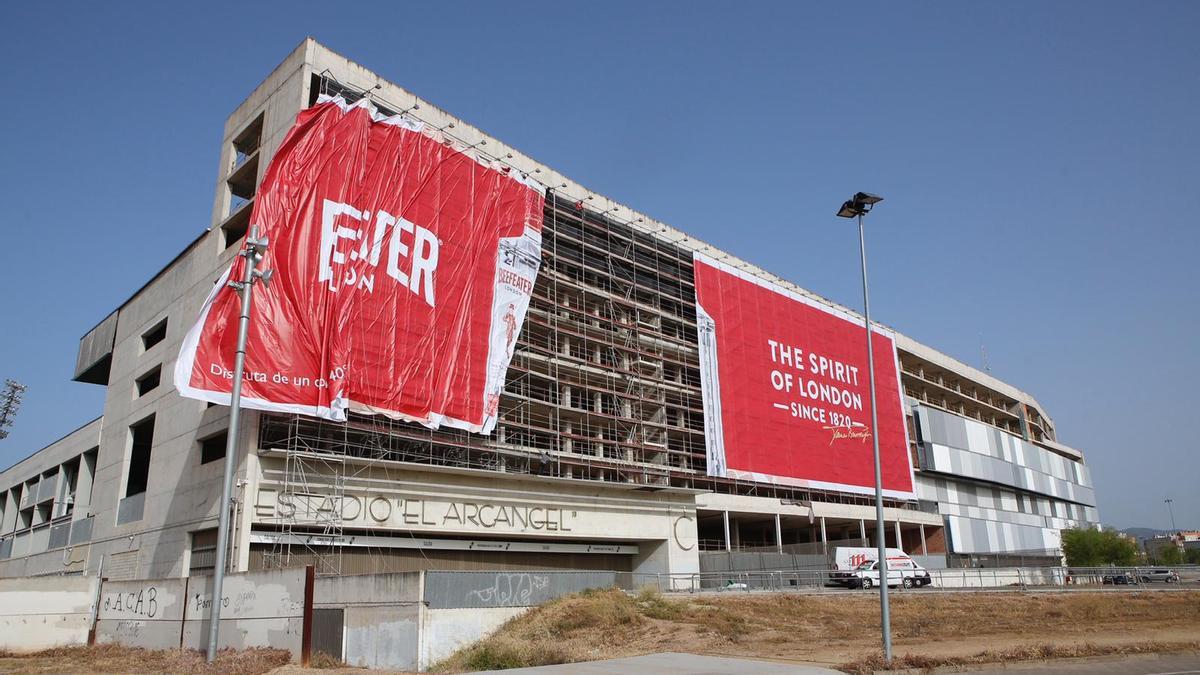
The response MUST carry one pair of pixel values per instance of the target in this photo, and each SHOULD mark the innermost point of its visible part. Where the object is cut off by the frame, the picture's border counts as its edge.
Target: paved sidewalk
(674, 663)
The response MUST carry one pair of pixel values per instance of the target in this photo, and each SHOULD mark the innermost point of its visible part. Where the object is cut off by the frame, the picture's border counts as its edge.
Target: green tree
(1192, 556)
(1087, 547)
(1169, 555)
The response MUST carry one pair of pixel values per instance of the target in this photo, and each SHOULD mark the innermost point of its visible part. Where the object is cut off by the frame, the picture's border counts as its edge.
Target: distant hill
(1140, 533)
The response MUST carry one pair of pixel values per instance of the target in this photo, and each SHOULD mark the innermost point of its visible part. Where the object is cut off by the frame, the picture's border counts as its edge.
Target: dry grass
(811, 617)
(655, 605)
(1040, 652)
(323, 661)
(834, 629)
(118, 659)
(561, 631)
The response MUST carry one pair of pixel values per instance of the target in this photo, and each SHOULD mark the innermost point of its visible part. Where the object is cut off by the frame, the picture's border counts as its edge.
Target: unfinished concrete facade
(598, 461)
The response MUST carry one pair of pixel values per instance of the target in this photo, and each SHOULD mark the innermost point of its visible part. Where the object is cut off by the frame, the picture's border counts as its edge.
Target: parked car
(1165, 576)
(900, 573)
(1119, 578)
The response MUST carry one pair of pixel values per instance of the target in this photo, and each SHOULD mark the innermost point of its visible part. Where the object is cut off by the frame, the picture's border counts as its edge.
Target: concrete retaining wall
(259, 609)
(450, 590)
(367, 589)
(382, 637)
(142, 613)
(411, 620)
(263, 609)
(444, 631)
(381, 617)
(42, 612)
(401, 621)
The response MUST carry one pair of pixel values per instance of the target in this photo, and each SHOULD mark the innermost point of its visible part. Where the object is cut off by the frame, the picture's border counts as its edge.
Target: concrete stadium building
(598, 460)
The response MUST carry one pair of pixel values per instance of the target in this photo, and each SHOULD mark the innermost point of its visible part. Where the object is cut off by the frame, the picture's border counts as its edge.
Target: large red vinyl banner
(786, 393)
(402, 266)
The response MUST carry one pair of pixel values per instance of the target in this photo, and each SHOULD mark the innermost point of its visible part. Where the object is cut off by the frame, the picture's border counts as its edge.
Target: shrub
(653, 604)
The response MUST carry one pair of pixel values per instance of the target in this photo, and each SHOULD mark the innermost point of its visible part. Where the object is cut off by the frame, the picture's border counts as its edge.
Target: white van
(851, 557)
(856, 567)
(901, 572)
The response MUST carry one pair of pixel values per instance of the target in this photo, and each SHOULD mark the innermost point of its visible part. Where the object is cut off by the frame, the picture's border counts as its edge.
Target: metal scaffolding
(604, 385)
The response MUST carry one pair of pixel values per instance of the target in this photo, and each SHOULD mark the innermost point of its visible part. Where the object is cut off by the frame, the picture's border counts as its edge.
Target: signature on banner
(861, 433)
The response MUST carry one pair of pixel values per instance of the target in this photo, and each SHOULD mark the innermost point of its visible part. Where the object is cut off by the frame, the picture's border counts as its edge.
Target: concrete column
(778, 534)
(824, 539)
(676, 555)
(83, 486)
(899, 541)
(725, 516)
(11, 506)
(61, 490)
(862, 532)
(923, 549)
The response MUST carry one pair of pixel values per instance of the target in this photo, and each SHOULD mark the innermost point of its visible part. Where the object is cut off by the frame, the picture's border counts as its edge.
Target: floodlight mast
(856, 207)
(10, 402)
(253, 253)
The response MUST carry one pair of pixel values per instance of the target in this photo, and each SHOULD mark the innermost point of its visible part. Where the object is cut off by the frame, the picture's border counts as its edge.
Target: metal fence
(940, 579)
(517, 588)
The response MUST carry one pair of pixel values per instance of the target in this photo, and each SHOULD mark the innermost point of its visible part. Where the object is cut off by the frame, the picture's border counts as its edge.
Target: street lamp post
(857, 207)
(1171, 509)
(253, 253)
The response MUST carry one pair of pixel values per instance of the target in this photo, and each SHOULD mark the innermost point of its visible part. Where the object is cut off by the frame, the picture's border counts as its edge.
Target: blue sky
(1038, 160)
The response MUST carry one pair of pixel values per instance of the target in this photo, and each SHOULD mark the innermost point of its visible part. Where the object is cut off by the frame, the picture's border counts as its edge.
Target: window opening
(141, 440)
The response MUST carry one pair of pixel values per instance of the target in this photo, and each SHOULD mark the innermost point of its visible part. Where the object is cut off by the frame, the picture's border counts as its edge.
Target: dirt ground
(838, 631)
(115, 659)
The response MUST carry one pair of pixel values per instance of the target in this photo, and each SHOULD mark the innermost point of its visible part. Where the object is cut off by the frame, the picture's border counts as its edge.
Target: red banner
(786, 390)
(402, 271)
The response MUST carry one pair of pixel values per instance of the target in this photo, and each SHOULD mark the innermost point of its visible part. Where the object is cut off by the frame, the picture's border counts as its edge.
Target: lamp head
(858, 205)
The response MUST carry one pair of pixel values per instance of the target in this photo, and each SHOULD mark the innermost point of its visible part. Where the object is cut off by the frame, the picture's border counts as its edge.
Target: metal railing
(528, 588)
(980, 578)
